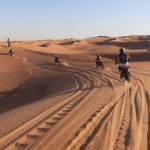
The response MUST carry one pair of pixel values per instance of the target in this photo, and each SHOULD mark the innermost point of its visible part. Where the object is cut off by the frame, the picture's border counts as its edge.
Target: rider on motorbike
(122, 59)
(99, 61)
(10, 51)
(56, 60)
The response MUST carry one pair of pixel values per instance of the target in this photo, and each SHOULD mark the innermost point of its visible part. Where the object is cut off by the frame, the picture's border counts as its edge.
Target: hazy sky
(42, 19)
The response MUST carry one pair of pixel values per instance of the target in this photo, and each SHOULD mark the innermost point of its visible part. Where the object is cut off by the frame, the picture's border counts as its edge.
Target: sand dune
(73, 105)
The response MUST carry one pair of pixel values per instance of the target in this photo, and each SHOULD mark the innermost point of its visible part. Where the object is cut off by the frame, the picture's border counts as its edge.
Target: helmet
(122, 50)
(98, 55)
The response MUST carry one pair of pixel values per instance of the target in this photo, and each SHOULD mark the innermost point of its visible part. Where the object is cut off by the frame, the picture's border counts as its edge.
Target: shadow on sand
(136, 57)
(129, 45)
(34, 90)
(3, 53)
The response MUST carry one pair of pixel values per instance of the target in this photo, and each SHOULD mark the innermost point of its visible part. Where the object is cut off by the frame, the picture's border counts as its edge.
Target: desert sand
(74, 106)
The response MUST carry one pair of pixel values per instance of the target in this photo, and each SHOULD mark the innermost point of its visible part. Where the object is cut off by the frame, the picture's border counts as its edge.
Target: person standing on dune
(8, 42)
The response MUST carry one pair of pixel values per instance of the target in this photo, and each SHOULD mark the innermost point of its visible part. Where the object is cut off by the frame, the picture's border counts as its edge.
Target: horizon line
(131, 35)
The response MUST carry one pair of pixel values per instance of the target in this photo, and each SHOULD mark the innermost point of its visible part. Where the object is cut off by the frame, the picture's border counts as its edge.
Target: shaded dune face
(138, 45)
(136, 57)
(67, 43)
(44, 45)
(33, 90)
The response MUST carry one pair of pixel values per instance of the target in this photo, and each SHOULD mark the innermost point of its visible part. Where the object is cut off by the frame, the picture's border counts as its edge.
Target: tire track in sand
(92, 125)
(30, 136)
(138, 110)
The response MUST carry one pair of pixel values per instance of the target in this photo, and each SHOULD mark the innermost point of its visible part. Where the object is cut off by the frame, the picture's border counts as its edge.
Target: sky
(57, 19)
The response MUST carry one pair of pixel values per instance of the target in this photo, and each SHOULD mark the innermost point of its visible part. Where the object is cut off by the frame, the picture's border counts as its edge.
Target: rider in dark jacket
(99, 61)
(56, 60)
(122, 59)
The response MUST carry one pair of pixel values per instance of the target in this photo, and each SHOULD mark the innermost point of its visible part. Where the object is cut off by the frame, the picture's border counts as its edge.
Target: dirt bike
(125, 73)
(99, 64)
(57, 60)
(11, 52)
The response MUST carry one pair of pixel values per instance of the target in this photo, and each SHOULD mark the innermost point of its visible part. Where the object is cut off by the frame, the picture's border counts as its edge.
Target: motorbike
(99, 64)
(125, 73)
(10, 52)
(57, 60)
